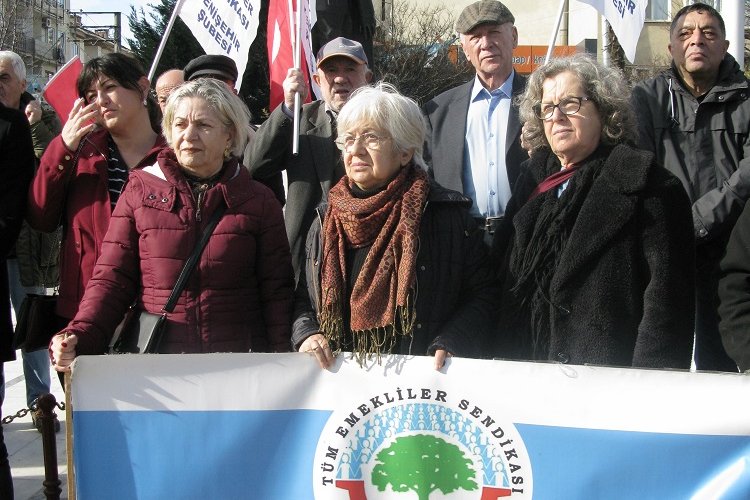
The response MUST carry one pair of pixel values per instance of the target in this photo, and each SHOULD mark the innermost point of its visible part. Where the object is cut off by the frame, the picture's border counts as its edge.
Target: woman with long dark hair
(112, 129)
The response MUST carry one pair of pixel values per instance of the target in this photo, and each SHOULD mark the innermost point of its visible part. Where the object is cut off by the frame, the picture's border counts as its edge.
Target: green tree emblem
(423, 463)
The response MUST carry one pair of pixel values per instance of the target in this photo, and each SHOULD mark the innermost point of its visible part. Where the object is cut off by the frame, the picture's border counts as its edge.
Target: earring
(227, 153)
(145, 102)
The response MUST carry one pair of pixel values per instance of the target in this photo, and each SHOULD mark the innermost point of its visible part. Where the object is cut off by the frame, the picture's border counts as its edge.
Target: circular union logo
(420, 443)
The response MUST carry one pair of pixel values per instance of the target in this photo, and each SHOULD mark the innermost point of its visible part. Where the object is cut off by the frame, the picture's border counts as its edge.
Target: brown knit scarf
(381, 304)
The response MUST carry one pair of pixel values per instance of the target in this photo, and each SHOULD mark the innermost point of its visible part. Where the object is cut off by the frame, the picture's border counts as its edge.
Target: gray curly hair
(605, 87)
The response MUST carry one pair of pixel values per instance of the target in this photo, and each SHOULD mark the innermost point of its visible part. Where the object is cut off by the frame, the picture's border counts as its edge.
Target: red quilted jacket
(239, 297)
(76, 182)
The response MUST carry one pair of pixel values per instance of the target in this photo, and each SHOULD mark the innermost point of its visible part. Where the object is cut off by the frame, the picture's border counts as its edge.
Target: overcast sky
(109, 5)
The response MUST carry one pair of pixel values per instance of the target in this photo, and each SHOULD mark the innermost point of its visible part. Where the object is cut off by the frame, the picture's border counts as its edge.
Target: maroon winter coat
(76, 182)
(238, 298)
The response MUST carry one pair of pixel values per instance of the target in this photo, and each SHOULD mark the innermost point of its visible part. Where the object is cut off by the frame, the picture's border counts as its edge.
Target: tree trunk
(616, 54)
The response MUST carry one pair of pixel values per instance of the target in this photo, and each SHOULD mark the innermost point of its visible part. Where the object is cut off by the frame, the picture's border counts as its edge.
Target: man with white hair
(33, 264)
(474, 133)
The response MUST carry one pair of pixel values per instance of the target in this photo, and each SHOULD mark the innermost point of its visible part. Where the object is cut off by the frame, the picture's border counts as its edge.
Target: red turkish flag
(60, 92)
(280, 54)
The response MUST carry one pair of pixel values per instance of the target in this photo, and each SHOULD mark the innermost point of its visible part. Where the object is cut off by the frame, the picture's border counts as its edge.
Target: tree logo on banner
(420, 443)
(423, 463)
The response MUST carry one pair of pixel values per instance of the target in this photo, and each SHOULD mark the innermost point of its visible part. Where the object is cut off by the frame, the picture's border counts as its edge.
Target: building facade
(46, 34)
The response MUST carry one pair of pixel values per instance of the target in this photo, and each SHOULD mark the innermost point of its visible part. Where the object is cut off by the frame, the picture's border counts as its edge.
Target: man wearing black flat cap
(473, 141)
(213, 66)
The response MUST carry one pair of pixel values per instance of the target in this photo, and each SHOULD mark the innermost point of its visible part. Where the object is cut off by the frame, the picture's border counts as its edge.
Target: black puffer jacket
(455, 292)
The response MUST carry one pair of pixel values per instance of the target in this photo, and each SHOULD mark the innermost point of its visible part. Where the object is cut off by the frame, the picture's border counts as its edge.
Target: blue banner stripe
(269, 455)
(156, 455)
(595, 464)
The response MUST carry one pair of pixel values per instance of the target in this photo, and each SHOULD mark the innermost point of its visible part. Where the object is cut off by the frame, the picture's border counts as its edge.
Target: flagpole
(553, 37)
(297, 48)
(733, 12)
(163, 42)
(605, 41)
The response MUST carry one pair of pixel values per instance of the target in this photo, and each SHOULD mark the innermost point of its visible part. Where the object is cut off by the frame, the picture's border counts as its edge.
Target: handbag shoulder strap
(192, 260)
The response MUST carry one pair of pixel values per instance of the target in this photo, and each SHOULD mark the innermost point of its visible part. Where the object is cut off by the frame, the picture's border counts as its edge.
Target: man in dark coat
(342, 68)
(17, 166)
(695, 117)
(33, 266)
(734, 292)
(464, 149)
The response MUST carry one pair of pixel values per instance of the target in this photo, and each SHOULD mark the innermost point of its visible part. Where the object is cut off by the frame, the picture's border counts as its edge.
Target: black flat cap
(484, 11)
(211, 66)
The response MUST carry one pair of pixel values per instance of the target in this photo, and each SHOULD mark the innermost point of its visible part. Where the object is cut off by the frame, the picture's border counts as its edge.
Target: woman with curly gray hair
(597, 256)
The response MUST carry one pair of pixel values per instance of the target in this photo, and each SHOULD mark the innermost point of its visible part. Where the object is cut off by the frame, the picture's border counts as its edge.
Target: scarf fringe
(370, 343)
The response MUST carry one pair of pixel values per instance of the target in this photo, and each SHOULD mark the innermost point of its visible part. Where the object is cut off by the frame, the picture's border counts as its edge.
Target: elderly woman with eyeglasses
(597, 262)
(395, 263)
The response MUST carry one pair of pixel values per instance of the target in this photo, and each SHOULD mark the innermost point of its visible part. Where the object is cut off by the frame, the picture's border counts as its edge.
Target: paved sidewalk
(23, 441)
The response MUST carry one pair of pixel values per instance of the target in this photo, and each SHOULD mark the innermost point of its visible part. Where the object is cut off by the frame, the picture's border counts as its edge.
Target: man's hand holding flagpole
(287, 39)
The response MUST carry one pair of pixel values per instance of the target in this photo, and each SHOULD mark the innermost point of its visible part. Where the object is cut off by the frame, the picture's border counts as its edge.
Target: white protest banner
(626, 18)
(276, 426)
(226, 27)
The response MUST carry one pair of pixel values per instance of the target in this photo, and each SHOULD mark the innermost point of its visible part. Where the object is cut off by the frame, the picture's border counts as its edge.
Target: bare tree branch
(416, 51)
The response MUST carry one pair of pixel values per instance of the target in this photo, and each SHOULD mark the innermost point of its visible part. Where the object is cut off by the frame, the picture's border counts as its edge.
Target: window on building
(716, 4)
(50, 35)
(658, 10)
(76, 51)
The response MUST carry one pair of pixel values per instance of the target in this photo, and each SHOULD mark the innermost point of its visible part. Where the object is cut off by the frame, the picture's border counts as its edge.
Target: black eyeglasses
(568, 106)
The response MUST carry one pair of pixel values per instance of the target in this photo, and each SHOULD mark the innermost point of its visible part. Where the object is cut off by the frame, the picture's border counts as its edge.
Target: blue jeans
(36, 363)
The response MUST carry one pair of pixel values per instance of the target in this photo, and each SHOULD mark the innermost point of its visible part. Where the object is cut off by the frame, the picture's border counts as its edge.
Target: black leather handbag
(141, 332)
(36, 323)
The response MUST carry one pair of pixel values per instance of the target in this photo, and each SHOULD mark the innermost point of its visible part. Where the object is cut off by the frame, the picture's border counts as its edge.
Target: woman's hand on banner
(318, 346)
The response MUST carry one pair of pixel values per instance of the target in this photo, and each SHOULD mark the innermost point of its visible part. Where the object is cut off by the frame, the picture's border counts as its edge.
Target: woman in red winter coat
(239, 296)
(112, 129)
